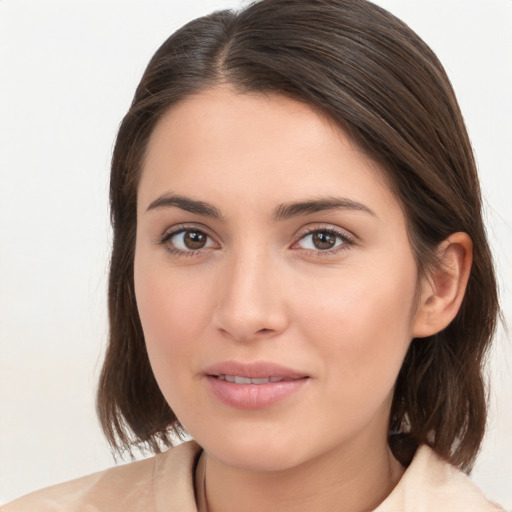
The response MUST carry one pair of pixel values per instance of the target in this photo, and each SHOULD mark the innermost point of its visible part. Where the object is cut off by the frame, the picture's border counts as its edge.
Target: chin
(262, 459)
(252, 451)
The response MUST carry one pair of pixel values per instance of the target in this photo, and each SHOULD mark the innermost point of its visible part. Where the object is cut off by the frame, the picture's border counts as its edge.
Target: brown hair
(369, 72)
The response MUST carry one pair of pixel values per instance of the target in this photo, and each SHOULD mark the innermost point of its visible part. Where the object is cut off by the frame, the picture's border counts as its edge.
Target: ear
(443, 290)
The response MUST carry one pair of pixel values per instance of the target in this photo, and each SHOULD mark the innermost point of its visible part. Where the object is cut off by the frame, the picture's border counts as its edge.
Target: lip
(253, 396)
(256, 370)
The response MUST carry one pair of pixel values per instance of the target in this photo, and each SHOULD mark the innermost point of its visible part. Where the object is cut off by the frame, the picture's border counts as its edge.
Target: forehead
(265, 148)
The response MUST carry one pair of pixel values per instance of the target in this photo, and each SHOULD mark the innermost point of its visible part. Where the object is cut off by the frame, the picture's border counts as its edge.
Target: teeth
(236, 379)
(259, 381)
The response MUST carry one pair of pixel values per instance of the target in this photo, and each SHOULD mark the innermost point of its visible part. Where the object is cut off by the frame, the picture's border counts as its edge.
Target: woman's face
(274, 280)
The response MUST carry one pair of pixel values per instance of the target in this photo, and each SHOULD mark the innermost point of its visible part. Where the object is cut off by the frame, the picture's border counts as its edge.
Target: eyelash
(346, 239)
(181, 229)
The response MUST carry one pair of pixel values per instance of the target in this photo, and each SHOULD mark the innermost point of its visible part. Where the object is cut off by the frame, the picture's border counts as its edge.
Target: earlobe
(443, 290)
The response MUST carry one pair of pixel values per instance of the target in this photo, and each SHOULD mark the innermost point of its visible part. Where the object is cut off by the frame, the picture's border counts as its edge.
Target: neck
(351, 479)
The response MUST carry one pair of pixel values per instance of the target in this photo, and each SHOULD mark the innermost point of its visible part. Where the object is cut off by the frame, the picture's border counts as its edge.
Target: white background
(68, 70)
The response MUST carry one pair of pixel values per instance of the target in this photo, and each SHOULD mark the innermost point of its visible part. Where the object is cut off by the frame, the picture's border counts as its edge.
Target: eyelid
(348, 238)
(344, 233)
(177, 228)
(172, 231)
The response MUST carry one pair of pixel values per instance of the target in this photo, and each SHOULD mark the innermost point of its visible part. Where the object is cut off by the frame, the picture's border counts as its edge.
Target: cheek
(363, 328)
(172, 313)
(167, 312)
(173, 308)
(361, 302)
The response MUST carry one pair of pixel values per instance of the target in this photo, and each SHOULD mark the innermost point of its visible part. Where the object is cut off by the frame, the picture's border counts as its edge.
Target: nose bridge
(251, 299)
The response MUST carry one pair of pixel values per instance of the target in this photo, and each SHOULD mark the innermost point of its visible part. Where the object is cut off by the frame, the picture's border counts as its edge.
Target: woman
(300, 277)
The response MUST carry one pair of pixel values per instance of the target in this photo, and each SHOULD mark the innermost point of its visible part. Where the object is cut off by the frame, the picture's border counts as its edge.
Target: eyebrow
(281, 212)
(288, 210)
(187, 204)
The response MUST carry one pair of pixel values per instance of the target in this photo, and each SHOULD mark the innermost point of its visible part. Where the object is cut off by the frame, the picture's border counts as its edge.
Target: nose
(252, 301)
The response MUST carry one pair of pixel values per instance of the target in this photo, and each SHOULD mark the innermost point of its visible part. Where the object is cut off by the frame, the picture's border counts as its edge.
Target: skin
(261, 289)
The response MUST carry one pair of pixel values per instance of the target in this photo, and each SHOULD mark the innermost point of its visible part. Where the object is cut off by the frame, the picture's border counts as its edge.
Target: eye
(324, 240)
(187, 240)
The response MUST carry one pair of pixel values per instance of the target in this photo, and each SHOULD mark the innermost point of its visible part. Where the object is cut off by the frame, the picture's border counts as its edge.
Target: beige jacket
(165, 483)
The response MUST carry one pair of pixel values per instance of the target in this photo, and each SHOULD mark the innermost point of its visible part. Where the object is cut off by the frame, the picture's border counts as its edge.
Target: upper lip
(255, 370)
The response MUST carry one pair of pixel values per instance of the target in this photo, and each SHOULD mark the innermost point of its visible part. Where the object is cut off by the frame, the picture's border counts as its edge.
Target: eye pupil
(324, 240)
(194, 240)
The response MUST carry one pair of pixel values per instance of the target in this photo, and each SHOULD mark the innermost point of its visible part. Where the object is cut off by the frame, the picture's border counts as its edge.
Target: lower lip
(253, 396)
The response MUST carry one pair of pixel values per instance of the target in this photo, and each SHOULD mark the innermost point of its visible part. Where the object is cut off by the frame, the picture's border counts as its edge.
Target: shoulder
(430, 483)
(133, 487)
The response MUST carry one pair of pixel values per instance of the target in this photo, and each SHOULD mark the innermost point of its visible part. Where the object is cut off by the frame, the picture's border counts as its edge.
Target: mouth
(255, 385)
(237, 379)
(258, 372)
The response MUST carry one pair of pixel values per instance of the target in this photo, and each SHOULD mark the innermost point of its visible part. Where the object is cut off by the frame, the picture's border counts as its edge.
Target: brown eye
(323, 240)
(187, 241)
(194, 240)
